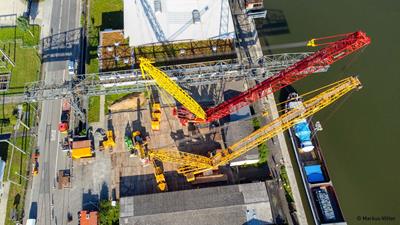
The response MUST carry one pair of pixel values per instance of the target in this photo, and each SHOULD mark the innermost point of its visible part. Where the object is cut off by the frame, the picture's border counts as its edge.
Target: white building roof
(174, 22)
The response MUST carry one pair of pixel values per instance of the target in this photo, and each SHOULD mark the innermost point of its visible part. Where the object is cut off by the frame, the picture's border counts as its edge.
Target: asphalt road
(45, 203)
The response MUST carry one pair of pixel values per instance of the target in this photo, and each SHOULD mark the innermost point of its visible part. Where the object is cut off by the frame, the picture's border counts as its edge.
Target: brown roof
(88, 218)
(81, 144)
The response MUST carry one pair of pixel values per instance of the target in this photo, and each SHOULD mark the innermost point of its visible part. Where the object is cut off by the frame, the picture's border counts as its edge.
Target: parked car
(71, 67)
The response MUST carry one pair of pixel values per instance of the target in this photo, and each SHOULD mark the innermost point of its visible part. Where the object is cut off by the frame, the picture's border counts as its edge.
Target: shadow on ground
(60, 47)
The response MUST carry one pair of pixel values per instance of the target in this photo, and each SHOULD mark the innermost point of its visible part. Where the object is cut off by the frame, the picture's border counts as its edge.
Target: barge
(319, 188)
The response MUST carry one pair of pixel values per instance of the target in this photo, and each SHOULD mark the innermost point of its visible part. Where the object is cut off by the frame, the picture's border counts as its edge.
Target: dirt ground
(130, 174)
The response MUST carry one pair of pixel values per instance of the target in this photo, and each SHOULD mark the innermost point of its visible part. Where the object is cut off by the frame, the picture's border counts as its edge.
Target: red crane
(333, 52)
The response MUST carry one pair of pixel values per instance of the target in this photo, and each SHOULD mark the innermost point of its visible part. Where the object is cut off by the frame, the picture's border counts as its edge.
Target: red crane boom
(311, 64)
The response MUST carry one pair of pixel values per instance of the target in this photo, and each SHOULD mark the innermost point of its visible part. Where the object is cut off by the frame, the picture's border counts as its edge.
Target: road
(43, 202)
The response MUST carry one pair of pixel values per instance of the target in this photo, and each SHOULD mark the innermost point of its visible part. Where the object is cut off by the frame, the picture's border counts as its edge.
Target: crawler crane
(192, 164)
(192, 111)
(334, 51)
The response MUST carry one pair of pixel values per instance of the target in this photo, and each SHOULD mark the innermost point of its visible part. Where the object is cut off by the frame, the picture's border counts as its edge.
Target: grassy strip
(27, 69)
(6, 113)
(94, 109)
(104, 14)
(10, 34)
(286, 185)
(25, 57)
(110, 99)
(18, 164)
(263, 150)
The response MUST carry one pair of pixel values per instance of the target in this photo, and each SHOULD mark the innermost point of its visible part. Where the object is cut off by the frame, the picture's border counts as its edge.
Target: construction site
(197, 136)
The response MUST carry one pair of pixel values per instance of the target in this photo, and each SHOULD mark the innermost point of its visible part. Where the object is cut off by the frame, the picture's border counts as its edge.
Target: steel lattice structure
(192, 164)
(194, 74)
(166, 83)
(334, 51)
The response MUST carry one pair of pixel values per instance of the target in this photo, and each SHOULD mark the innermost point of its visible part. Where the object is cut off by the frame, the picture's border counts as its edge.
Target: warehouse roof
(170, 20)
(234, 204)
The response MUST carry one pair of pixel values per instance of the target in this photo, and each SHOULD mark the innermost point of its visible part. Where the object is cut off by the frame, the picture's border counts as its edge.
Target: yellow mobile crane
(166, 83)
(192, 164)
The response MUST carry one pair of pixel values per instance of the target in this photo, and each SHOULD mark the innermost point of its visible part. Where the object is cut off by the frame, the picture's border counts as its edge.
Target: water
(361, 132)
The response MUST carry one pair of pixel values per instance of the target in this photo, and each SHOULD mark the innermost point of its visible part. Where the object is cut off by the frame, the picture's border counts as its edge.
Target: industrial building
(161, 21)
(230, 205)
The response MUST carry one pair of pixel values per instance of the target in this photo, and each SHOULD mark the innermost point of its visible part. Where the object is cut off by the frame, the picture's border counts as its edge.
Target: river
(359, 137)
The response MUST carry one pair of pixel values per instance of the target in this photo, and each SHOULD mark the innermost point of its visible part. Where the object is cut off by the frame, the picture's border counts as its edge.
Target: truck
(81, 149)
(65, 116)
(35, 162)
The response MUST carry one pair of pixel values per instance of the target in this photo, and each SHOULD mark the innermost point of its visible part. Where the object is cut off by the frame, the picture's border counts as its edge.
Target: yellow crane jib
(192, 164)
(286, 120)
(166, 83)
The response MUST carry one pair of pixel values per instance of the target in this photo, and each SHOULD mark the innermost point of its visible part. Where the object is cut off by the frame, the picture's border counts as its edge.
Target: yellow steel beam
(195, 164)
(182, 158)
(165, 82)
(286, 121)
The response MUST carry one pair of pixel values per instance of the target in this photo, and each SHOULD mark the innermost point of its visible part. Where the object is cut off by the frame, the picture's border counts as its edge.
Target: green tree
(109, 215)
(23, 24)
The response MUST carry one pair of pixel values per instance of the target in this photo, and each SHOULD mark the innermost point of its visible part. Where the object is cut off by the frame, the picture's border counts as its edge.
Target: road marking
(60, 18)
(58, 146)
(53, 135)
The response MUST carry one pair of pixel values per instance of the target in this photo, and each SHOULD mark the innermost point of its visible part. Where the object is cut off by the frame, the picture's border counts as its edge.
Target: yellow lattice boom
(166, 83)
(194, 164)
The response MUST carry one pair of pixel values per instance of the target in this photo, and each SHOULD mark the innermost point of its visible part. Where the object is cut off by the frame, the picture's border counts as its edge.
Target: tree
(23, 24)
(109, 215)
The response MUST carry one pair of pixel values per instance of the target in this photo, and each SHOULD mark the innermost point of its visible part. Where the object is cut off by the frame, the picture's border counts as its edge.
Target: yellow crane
(192, 164)
(166, 83)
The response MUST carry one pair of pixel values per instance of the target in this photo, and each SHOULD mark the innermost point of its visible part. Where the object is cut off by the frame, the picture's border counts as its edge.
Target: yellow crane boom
(193, 164)
(166, 83)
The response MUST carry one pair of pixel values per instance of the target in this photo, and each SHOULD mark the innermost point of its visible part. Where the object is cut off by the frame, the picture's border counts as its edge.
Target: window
(196, 16)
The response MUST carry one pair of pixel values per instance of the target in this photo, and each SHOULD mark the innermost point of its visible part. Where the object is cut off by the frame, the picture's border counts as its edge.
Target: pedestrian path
(3, 202)
(301, 215)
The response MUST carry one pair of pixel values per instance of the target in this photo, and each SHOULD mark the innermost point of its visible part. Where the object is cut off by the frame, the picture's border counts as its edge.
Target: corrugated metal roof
(216, 205)
(174, 21)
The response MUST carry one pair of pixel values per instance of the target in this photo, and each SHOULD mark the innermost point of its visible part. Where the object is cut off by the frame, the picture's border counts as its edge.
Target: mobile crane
(192, 164)
(165, 82)
(334, 51)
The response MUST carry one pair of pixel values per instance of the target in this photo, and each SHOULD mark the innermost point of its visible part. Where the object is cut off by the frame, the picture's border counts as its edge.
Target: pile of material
(129, 102)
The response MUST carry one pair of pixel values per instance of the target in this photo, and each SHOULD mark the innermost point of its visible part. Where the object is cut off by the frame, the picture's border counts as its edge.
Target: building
(234, 204)
(88, 218)
(154, 21)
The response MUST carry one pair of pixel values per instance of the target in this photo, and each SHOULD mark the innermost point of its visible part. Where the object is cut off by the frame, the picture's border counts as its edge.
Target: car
(71, 67)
